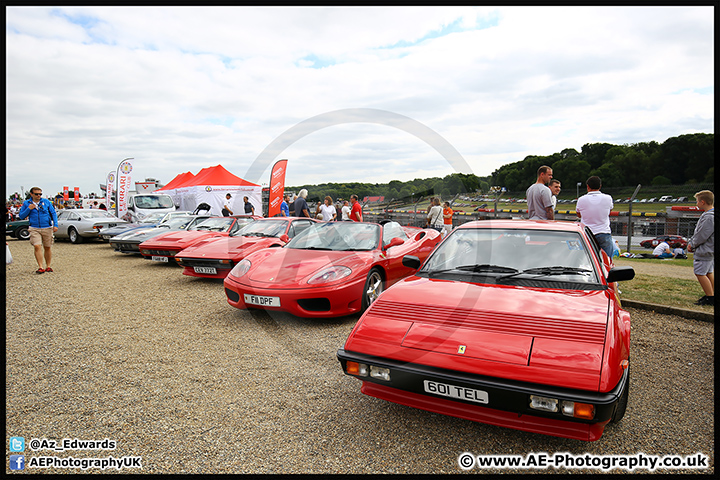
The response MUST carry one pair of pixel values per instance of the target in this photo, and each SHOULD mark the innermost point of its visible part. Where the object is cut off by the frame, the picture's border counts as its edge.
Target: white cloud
(183, 88)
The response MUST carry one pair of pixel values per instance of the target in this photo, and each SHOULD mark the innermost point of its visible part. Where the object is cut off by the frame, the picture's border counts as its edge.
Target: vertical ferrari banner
(109, 189)
(76, 192)
(277, 187)
(123, 186)
(66, 195)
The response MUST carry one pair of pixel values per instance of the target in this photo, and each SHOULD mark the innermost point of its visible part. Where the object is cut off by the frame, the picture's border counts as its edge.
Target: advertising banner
(109, 189)
(124, 179)
(76, 192)
(277, 187)
(66, 195)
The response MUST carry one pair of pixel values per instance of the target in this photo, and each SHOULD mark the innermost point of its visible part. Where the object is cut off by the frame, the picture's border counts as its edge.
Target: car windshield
(510, 254)
(153, 217)
(94, 214)
(214, 224)
(263, 228)
(153, 201)
(339, 236)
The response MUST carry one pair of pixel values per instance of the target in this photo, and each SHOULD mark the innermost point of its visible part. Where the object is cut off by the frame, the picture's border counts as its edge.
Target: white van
(666, 198)
(143, 204)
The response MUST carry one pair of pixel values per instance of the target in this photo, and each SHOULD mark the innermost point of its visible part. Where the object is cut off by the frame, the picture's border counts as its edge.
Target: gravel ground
(114, 346)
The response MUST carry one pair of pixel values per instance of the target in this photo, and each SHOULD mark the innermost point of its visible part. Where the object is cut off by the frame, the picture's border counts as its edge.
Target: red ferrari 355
(329, 270)
(163, 248)
(215, 257)
(515, 323)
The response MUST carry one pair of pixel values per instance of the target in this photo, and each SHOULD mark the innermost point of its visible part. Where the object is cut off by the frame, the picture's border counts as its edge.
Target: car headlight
(241, 268)
(329, 274)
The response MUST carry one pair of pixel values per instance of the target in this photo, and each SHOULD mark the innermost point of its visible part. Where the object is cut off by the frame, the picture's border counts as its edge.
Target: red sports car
(329, 270)
(515, 323)
(675, 241)
(215, 257)
(163, 248)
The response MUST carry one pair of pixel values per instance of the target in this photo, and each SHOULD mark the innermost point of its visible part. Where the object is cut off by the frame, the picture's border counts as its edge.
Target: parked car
(329, 270)
(514, 323)
(152, 220)
(214, 258)
(666, 198)
(682, 199)
(78, 225)
(18, 229)
(129, 242)
(164, 247)
(675, 241)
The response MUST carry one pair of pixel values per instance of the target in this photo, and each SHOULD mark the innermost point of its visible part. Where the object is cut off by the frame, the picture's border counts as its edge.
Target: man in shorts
(703, 244)
(43, 224)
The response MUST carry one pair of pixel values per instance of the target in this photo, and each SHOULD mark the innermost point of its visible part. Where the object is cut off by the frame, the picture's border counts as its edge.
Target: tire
(74, 236)
(374, 286)
(22, 233)
(622, 404)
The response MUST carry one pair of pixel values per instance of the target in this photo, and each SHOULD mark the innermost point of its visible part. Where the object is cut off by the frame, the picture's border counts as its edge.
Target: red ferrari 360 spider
(329, 270)
(215, 257)
(514, 323)
(164, 247)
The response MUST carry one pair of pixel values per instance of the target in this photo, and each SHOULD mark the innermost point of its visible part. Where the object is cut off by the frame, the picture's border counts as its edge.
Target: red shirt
(356, 212)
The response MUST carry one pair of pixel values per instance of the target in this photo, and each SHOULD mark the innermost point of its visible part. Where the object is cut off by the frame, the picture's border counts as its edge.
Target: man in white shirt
(554, 187)
(663, 251)
(594, 212)
(539, 198)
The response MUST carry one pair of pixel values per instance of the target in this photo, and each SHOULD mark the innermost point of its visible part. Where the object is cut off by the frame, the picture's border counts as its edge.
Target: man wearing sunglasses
(43, 224)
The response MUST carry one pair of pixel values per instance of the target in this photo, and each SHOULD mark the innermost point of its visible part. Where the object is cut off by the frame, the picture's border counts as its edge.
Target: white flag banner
(109, 190)
(123, 186)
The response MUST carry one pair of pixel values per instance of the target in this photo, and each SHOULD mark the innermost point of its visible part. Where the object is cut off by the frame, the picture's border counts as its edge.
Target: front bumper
(319, 301)
(508, 402)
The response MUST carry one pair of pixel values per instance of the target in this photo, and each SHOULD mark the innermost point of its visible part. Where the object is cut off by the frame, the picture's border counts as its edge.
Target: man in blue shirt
(284, 208)
(43, 224)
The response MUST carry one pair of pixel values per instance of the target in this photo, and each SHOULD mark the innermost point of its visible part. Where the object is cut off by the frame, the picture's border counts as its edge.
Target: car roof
(526, 224)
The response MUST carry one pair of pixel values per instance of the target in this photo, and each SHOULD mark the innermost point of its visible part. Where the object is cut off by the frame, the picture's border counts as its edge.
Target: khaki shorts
(41, 236)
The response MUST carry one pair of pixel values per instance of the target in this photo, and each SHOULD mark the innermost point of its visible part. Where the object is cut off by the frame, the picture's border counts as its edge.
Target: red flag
(66, 195)
(77, 193)
(277, 187)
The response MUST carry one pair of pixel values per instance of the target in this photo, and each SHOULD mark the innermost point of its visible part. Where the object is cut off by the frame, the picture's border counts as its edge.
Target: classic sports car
(78, 225)
(328, 270)
(214, 258)
(130, 242)
(152, 220)
(675, 241)
(18, 229)
(515, 323)
(164, 247)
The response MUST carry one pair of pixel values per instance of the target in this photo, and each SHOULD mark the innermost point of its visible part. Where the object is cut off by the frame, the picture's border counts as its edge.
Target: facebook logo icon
(17, 462)
(17, 444)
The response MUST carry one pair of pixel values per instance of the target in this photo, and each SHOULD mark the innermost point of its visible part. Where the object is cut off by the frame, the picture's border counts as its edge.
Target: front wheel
(74, 236)
(373, 288)
(622, 404)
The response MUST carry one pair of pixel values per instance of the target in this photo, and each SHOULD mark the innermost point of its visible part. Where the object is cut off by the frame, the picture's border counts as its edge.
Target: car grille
(133, 247)
(205, 262)
(560, 329)
(164, 253)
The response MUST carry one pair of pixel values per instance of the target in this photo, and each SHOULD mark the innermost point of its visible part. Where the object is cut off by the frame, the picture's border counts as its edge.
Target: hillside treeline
(676, 161)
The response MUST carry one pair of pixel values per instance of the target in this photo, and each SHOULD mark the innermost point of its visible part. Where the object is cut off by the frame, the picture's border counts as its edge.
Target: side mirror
(284, 238)
(394, 242)
(411, 261)
(618, 274)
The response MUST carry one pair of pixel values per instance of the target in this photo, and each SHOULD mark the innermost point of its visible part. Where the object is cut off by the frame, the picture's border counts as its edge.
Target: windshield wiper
(549, 271)
(478, 268)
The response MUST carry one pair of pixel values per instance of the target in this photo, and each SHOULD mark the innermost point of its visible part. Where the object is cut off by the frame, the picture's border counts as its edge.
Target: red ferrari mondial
(164, 247)
(329, 270)
(514, 323)
(214, 258)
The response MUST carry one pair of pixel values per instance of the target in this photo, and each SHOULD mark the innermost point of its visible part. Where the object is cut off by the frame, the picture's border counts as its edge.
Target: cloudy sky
(346, 94)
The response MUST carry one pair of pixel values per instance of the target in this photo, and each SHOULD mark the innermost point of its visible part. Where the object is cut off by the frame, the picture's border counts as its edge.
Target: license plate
(453, 391)
(210, 270)
(156, 258)
(262, 301)
(112, 224)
